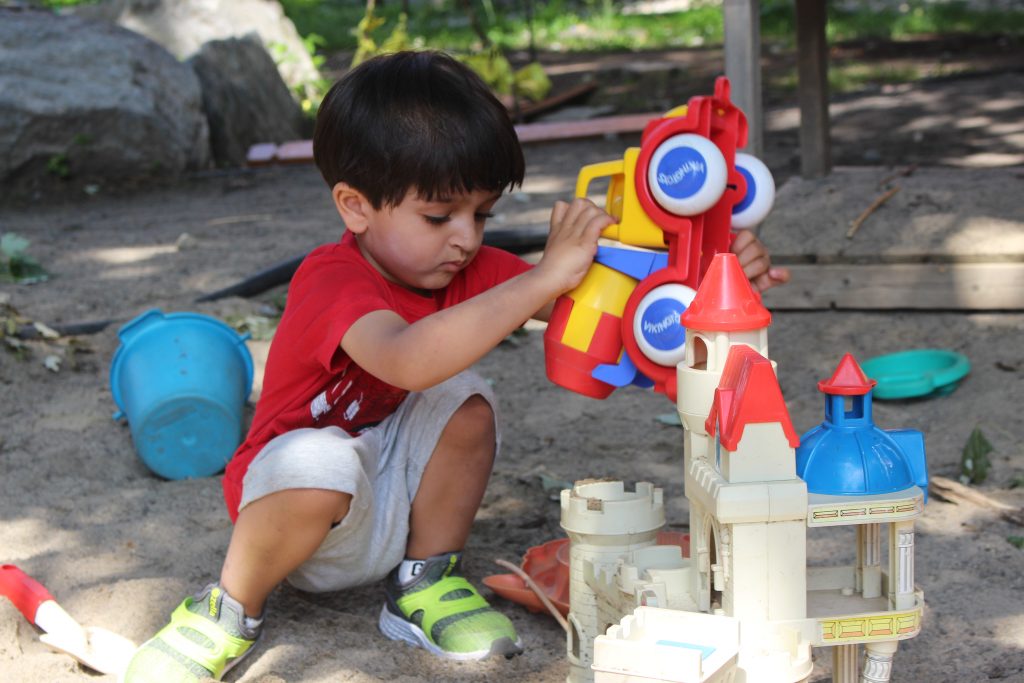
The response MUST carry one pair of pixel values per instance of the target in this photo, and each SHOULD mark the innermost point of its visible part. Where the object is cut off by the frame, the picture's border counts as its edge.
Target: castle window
(699, 353)
(853, 407)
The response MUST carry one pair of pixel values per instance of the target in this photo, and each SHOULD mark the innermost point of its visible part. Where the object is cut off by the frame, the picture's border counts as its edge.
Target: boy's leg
(273, 535)
(213, 630)
(436, 608)
(299, 485)
(453, 481)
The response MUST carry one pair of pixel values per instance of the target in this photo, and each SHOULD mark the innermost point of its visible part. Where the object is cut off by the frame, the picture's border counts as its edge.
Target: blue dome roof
(847, 455)
(852, 462)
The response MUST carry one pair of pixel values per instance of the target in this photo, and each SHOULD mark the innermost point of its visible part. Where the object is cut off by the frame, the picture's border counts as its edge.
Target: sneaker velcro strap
(220, 649)
(431, 601)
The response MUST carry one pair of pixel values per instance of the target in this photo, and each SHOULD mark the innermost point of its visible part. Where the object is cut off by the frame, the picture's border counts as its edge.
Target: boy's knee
(313, 505)
(473, 422)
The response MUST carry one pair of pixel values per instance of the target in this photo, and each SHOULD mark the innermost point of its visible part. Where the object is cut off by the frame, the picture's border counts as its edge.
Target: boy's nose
(464, 235)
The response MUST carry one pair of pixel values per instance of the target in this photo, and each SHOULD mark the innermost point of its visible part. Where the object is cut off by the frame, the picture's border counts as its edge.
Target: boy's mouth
(452, 266)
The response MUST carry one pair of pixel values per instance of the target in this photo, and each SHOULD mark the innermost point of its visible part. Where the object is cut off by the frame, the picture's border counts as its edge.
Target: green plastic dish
(916, 373)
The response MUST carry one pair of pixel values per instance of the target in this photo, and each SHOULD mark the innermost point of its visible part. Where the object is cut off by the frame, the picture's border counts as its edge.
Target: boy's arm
(441, 345)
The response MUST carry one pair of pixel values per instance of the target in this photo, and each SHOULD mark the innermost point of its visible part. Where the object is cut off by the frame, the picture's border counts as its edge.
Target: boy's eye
(479, 216)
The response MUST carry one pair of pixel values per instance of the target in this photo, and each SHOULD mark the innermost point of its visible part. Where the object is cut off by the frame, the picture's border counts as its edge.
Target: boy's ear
(353, 206)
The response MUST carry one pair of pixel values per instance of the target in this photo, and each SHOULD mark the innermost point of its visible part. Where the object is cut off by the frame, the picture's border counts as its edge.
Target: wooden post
(812, 68)
(742, 20)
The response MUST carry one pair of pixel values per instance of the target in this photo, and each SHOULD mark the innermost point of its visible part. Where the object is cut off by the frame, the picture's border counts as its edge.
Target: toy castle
(744, 607)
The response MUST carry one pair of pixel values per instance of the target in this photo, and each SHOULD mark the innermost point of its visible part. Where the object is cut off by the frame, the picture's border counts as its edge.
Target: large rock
(244, 98)
(184, 26)
(92, 102)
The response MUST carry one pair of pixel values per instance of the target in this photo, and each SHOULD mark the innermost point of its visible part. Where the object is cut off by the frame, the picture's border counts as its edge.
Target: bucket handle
(134, 327)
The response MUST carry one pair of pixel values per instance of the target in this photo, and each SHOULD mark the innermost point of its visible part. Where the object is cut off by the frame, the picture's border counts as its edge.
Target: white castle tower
(725, 312)
(605, 523)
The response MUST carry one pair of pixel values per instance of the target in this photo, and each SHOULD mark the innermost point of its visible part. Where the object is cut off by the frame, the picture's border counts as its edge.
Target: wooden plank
(569, 130)
(295, 152)
(812, 70)
(530, 110)
(743, 66)
(262, 154)
(923, 286)
(301, 151)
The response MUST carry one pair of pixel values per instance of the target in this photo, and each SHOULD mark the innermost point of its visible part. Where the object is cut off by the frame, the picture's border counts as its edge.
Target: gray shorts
(380, 468)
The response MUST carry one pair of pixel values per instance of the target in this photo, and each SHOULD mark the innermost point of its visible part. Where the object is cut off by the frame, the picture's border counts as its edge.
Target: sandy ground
(120, 547)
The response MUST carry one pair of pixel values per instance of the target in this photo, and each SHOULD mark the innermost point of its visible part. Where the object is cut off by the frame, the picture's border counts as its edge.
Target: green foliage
(913, 18)
(496, 71)
(331, 20)
(602, 25)
(367, 46)
(920, 17)
(491, 65)
(259, 327)
(852, 76)
(532, 82)
(309, 93)
(58, 166)
(1016, 541)
(974, 462)
(15, 264)
(58, 4)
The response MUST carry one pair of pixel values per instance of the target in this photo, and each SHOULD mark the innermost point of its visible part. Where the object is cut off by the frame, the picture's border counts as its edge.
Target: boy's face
(419, 244)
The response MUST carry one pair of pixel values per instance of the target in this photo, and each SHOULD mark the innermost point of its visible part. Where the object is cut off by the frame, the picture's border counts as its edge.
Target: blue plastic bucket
(182, 380)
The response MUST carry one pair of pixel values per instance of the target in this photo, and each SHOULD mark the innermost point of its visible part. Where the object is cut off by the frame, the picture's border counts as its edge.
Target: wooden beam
(301, 151)
(531, 110)
(568, 130)
(742, 20)
(924, 286)
(812, 69)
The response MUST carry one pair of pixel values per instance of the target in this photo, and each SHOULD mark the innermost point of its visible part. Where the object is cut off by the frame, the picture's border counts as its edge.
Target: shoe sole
(397, 628)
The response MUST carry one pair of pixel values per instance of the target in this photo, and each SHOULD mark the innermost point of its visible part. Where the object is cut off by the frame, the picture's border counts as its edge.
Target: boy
(372, 444)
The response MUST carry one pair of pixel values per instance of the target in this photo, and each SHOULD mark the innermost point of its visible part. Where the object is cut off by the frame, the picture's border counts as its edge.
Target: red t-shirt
(309, 381)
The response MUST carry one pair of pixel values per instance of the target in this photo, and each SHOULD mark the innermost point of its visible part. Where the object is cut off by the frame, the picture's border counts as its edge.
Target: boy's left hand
(756, 262)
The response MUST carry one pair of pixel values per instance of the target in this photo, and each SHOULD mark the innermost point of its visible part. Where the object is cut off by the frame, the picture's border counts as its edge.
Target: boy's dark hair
(415, 120)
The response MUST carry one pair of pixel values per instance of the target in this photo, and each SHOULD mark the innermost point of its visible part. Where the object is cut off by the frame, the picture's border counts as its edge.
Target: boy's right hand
(572, 242)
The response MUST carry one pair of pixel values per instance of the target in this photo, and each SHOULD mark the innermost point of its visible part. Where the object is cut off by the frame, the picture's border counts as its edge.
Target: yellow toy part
(635, 227)
(602, 290)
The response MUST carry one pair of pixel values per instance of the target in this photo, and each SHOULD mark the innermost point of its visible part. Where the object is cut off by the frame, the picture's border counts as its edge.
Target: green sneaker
(440, 611)
(206, 637)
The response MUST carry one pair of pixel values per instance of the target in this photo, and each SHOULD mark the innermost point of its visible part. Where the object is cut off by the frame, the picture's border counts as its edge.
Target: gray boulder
(92, 102)
(184, 26)
(244, 98)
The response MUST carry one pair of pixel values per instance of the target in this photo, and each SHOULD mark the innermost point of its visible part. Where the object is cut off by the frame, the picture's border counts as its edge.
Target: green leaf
(12, 244)
(1016, 541)
(531, 81)
(493, 68)
(399, 38)
(553, 486)
(974, 462)
(259, 327)
(15, 264)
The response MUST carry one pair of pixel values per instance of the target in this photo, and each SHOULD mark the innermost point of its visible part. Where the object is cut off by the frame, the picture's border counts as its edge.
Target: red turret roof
(848, 379)
(748, 393)
(725, 300)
